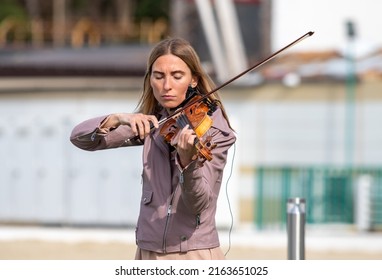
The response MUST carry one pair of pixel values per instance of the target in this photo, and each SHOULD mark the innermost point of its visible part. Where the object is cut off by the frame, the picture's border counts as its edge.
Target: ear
(194, 82)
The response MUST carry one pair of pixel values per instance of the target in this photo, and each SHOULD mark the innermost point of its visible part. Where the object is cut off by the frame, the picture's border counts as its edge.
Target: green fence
(330, 194)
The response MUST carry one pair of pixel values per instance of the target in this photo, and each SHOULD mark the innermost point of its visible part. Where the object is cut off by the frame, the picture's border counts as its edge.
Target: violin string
(228, 200)
(182, 121)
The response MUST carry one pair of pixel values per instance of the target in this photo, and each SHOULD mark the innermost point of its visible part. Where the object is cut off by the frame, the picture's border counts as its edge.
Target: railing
(330, 194)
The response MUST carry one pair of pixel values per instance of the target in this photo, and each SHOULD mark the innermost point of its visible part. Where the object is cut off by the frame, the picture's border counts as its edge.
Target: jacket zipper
(169, 208)
(197, 221)
(166, 227)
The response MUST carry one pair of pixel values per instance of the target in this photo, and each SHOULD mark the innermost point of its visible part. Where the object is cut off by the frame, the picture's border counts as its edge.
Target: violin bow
(257, 65)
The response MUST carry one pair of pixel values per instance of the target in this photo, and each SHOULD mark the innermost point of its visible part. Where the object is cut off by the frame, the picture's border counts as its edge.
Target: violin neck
(182, 121)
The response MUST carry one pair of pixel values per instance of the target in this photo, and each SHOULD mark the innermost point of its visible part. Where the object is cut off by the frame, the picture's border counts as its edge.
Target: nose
(167, 83)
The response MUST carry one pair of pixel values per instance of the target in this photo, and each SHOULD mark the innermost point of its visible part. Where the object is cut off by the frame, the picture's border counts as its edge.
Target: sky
(327, 18)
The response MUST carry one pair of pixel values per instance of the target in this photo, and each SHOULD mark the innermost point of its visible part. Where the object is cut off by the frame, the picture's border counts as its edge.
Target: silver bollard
(296, 228)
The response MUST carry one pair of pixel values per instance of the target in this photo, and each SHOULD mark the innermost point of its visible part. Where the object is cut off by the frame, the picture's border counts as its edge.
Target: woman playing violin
(179, 195)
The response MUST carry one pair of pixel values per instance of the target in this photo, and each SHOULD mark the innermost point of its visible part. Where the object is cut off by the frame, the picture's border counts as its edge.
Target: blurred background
(306, 122)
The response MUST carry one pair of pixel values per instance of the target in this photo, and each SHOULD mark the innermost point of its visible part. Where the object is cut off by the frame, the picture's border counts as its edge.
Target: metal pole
(214, 41)
(296, 228)
(350, 97)
(232, 36)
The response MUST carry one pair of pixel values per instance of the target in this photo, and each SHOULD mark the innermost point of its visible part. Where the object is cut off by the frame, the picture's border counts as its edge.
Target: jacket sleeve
(90, 136)
(201, 185)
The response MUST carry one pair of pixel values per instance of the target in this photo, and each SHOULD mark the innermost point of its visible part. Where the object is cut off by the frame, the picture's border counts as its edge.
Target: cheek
(152, 83)
(155, 86)
(183, 91)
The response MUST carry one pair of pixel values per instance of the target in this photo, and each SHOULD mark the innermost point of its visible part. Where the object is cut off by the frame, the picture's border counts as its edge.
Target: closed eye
(158, 75)
(177, 75)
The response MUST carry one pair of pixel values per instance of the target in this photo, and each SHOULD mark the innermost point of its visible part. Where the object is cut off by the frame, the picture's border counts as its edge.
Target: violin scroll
(204, 150)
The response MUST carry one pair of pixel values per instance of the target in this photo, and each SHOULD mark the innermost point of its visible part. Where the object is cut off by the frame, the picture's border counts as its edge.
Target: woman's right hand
(140, 124)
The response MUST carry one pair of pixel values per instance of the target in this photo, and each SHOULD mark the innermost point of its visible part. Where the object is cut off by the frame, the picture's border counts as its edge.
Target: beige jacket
(178, 207)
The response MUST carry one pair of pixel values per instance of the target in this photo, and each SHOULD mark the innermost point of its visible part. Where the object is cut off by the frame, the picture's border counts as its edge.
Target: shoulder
(220, 123)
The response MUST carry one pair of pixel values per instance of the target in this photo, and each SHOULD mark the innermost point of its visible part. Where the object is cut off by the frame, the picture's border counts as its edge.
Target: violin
(197, 116)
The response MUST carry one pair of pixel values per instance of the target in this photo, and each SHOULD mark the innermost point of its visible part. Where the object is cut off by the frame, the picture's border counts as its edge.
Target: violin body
(198, 118)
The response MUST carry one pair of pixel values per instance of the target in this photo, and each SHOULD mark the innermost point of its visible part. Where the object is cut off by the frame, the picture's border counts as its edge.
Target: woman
(179, 194)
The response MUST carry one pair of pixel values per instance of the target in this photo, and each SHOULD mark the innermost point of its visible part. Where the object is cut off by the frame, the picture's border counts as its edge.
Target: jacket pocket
(147, 197)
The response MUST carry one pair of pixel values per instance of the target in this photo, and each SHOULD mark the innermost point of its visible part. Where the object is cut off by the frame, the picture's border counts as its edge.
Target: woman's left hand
(186, 145)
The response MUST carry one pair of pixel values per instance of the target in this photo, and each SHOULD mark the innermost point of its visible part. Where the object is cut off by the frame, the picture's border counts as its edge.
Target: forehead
(170, 62)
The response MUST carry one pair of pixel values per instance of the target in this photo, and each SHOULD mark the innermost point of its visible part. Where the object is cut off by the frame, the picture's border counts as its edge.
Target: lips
(168, 97)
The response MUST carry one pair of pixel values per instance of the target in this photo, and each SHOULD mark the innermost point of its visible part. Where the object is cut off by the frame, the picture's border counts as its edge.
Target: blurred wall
(45, 179)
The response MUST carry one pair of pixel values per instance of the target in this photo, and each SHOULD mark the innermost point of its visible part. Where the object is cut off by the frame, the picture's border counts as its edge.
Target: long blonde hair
(182, 49)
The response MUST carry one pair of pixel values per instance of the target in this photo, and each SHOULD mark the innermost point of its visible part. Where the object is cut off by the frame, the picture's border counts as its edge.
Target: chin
(170, 106)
